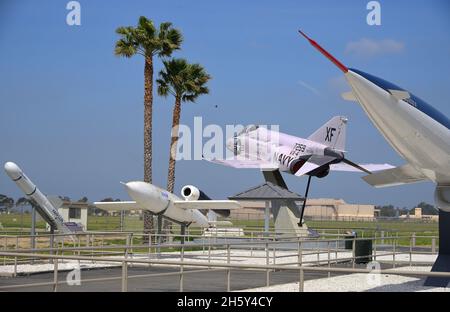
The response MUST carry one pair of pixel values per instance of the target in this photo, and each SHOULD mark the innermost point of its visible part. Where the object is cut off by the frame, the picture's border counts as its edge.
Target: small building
(74, 212)
(316, 209)
(419, 216)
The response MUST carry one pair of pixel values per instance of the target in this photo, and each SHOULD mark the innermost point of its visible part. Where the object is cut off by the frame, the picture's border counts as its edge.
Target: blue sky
(72, 111)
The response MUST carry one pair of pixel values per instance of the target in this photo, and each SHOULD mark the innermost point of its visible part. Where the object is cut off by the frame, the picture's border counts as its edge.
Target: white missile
(158, 201)
(44, 207)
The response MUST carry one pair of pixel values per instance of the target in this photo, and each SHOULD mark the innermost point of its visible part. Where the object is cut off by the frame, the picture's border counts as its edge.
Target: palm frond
(184, 80)
(147, 40)
(125, 48)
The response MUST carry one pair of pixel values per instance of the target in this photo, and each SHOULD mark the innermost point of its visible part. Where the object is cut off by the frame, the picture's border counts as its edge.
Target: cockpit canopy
(248, 129)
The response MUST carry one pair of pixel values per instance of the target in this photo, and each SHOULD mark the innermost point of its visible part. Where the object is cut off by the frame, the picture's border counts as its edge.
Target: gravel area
(63, 265)
(361, 282)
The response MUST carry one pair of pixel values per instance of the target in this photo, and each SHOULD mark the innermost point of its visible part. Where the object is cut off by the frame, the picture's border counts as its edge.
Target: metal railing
(125, 263)
(272, 251)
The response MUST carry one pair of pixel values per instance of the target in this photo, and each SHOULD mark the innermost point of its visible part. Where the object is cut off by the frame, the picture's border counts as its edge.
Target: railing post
(90, 243)
(329, 264)
(353, 252)
(267, 263)
(274, 250)
(336, 250)
(124, 276)
(229, 269)
(79, 243)
(182, 270)
(15, 258)
(375, 248)
(251, 245)
(394, 243)
(410, 250)
(55, 275)
(209, 252)
(414, 239)
(433, 245)
(301, 282)
(5, 248)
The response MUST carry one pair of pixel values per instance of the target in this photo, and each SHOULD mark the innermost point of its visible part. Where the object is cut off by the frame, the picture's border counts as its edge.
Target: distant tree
(24, 201)
(6, 203)
(387, 211)
(84, 199)
(65, 198)
(97, 211)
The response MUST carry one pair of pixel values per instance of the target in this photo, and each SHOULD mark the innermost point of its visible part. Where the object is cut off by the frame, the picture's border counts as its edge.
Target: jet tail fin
(332, 133)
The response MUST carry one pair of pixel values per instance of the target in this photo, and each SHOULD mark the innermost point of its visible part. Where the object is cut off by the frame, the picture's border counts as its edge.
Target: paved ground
(214, 280)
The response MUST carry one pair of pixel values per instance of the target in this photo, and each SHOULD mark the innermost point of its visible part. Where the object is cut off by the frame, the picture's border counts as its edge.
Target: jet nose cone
(12, 170)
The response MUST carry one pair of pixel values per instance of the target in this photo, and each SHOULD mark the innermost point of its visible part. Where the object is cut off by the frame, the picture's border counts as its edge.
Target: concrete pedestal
(442, 263)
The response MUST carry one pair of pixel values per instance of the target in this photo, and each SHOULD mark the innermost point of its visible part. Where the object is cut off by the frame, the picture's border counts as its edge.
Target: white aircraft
(258, 147)
(419, 133)
(160, 202)
(416, 130)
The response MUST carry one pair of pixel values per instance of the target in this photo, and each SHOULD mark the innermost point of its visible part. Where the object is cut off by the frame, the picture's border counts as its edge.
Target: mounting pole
(304, 201)
(183, 233)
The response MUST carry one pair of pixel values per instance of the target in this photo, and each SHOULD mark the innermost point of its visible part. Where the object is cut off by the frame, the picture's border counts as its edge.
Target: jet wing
(369, 167)
(396, 176)
(207, 204)
(244, 163)
(314, 162)
(118, 206)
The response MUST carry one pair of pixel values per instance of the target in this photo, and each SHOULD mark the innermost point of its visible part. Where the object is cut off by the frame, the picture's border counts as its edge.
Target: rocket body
(45, 207)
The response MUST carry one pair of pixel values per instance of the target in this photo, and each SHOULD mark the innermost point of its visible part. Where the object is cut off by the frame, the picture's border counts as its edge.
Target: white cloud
(369, 47)
(310, 88)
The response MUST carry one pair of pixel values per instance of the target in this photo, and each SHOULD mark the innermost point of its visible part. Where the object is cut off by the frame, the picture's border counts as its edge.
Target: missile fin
(400, 94)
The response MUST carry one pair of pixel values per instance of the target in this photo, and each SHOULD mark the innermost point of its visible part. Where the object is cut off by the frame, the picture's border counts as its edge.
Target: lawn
(21, 223)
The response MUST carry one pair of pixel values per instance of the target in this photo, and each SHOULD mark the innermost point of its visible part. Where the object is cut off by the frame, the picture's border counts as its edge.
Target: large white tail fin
(332, 133)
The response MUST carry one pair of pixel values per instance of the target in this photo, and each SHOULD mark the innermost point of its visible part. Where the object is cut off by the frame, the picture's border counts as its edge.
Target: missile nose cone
(135, 188)
(141, 192)
(12, 170)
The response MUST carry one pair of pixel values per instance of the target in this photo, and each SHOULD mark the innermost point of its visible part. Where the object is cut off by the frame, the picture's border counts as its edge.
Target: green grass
(20, 224)
(95, 223)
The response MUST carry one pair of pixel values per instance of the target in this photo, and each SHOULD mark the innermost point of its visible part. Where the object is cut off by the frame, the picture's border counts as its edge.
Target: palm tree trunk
(148, 111)
(173, 144)
(172, 154)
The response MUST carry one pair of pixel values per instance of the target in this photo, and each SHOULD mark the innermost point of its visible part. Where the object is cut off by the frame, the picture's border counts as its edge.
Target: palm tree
(186, 82)
(146, 40)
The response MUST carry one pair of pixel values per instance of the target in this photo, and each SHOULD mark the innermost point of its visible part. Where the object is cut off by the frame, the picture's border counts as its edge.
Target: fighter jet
(416, 130)
(258, 147)
(324, 150)
(162, 203)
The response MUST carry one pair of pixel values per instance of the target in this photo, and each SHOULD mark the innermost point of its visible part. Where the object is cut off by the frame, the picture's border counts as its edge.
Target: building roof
(266, 191)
